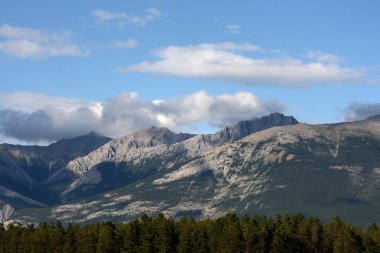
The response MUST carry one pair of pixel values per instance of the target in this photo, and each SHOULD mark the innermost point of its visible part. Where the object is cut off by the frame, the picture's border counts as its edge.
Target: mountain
(270, 165)
(25, 171)
(132, 158)
(245, 128)
(119, 162)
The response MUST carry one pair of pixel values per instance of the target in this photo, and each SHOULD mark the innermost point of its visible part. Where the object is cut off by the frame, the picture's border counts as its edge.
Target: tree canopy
(227, 234)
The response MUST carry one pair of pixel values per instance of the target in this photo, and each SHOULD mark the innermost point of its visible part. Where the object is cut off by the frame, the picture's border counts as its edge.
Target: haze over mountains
(267, 165)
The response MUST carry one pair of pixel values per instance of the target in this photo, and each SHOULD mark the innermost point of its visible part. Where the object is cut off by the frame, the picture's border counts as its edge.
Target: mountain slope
(27, 170)
(142, 154)
(323, 170)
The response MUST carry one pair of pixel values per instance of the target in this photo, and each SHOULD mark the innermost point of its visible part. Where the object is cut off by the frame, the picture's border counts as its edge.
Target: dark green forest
(230, 233)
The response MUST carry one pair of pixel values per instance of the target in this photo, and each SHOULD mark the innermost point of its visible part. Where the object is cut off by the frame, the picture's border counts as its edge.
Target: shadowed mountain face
(245, 128)
(26, 169)
(267, 165)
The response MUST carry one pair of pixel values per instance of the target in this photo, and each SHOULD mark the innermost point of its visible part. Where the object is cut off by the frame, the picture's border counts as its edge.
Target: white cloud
(227, 62)
(36, 117)
(124, 44)
(323, 57)
(30, 102)
(359, 111)
(12, 32)
(122, 18)
(233, 29)
(31, 43)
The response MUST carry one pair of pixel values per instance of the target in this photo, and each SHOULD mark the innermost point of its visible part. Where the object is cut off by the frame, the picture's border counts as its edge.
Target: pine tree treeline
(289, 233)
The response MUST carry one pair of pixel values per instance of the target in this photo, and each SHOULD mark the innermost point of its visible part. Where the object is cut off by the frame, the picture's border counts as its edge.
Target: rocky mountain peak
(87, 137)
(152, 137)
(78, 146)
(248, 127)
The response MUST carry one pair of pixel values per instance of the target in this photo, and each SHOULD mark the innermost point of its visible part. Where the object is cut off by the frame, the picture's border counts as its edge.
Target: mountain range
(269, 165)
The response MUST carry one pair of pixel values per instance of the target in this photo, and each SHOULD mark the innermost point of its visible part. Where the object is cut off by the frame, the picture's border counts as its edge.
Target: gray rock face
(121, 149)
(152, 137)
(245, 128)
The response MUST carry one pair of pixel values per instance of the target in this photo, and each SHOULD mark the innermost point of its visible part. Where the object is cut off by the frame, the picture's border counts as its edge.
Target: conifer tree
(146, 235)
(87, 239)
(164, 233)
(185, 228)
(106, 239)
(2, 238)
(132, 237)
(201, 239)
(70, 239)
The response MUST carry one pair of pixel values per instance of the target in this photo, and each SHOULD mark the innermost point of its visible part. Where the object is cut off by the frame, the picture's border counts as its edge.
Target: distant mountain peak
(277, 116)
(89, 135)
(80, 145)
(154, 136)
(93, 133)
(248, 127)
(374, 118)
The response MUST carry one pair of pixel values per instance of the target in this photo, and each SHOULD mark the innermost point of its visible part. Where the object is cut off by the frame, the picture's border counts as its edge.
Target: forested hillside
(289, 233)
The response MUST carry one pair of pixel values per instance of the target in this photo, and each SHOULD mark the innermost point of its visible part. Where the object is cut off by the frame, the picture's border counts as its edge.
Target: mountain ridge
(213, 174)
(24, 169)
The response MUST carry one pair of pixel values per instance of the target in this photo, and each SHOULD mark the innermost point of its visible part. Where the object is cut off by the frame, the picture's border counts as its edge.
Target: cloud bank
(34, 117)
(246, 64)
(24, 42)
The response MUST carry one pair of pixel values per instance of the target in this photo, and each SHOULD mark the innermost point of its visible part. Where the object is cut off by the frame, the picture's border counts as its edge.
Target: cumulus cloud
(358, 111)
(230, 62)
(31, 43)
(122, 18)
(233, 29)
(124, 44)
(35, 117)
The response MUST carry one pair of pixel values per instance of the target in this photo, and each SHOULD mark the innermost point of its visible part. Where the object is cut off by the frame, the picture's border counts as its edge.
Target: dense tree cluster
(289, 233)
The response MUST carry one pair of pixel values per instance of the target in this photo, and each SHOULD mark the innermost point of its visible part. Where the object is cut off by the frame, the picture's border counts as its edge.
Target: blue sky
(117, 66)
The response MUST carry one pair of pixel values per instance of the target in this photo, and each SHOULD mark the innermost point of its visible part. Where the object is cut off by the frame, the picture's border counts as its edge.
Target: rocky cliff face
(119, 149)
(245, 128)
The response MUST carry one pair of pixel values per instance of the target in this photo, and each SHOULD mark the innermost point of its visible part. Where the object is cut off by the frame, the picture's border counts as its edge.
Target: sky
(119, 66)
